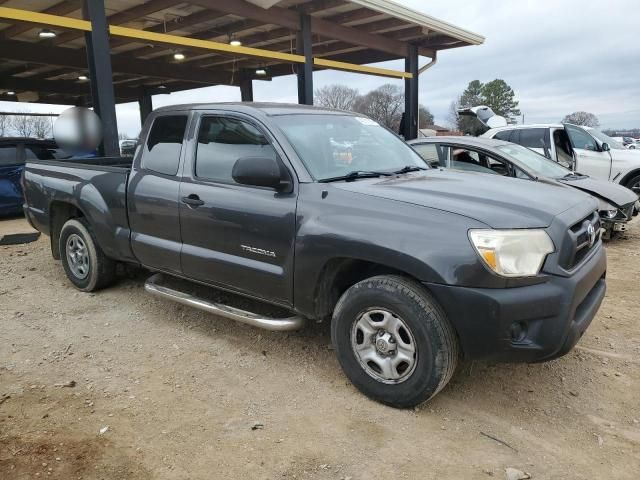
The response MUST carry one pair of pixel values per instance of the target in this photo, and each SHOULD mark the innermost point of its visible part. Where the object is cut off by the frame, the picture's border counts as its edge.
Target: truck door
(233, 235)
(153, 195)
(590, 159)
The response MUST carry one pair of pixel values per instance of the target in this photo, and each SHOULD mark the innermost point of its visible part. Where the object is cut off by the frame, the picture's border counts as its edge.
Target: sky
(559, 57)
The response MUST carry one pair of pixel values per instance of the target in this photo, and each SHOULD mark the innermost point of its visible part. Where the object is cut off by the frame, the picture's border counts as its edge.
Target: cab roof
(269, 109)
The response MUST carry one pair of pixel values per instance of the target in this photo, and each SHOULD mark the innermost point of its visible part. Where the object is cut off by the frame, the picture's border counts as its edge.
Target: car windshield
(335, 145)
(605, 139)
(537, 164)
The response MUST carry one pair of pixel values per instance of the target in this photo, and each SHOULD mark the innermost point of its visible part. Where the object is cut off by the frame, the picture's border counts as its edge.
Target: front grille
(580, 242)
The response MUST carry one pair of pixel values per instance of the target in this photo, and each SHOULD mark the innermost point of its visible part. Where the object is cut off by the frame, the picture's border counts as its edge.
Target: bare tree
(582, 118)
(384, 104)
(23, 125)
(42, 127)
(453, 119)
(5, 124)
(336, 96)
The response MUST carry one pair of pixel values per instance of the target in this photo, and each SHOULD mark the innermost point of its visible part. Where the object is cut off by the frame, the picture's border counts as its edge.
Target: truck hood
(495, 201)
(615, 194)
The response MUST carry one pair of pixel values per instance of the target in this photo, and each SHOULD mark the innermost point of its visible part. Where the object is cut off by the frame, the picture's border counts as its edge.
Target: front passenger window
(581, 139)
(222, 141)
(429, 152)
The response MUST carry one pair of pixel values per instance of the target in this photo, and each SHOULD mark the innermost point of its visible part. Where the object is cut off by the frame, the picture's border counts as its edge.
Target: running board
(152, 285)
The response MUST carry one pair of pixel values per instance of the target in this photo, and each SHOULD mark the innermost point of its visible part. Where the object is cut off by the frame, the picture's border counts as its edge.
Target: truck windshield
(536, 163)
(335, 145)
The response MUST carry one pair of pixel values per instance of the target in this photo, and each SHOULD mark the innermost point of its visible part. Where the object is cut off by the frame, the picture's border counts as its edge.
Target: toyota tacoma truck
(326, 214)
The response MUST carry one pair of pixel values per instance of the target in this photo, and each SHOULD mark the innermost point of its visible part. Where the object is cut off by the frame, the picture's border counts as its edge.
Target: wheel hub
(385, 343)
(384, 346)
(77, 256)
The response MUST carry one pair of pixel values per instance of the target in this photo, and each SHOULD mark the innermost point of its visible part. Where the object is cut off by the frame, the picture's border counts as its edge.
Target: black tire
(436, 344)
(100, 271)
(634, 181)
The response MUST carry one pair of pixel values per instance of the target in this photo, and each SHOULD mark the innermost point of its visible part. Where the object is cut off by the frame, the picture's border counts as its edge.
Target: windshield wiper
(409, 168)
(573, 175)
(357, 174)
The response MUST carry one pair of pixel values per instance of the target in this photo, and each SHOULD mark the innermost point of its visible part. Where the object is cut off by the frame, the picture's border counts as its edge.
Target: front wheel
(83, 260)
(394, 341)
(634, 184)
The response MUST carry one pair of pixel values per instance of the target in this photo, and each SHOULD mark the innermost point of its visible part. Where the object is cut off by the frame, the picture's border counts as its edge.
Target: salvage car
(616, 204)
(583, 149)
(13, 153)
(414, 267)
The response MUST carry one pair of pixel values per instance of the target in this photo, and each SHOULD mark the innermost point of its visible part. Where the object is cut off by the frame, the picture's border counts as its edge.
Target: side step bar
(152, 285)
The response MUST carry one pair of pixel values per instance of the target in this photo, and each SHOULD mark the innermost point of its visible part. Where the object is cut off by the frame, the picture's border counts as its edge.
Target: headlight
(606, 210)
(512, 253)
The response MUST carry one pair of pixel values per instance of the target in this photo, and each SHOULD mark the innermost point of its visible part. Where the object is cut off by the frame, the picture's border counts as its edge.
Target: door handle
(192, 200)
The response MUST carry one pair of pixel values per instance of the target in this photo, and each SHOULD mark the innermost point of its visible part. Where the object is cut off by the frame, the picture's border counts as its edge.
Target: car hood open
(495, 201)
(615, 194)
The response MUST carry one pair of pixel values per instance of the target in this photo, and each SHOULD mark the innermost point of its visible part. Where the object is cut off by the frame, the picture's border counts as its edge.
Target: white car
(582, 149)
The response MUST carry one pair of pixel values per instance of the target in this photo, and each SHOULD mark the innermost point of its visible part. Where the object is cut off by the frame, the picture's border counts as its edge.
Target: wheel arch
(338, 274)
(629, 176)
(59, 213)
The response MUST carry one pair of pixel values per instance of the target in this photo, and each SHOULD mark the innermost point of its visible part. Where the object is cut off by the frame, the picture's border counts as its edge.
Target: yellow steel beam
(204, 44)
(76, 24)
(352, 67)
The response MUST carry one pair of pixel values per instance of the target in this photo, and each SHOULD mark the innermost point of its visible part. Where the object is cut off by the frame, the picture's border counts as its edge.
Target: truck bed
(96, 187)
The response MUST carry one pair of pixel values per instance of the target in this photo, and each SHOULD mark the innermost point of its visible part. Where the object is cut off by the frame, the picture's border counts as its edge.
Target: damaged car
(617, 204)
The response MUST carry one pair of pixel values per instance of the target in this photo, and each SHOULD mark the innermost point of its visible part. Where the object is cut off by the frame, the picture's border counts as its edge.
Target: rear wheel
(393, 340)
(83, 260)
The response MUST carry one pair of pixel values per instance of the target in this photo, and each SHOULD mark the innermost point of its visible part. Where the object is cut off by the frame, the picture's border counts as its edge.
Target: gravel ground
(179, 394)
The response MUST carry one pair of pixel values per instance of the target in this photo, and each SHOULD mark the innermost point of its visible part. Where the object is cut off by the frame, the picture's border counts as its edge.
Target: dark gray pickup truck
(328, 215)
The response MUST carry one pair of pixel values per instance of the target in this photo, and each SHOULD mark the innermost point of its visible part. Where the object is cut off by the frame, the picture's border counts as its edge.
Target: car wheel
(634, 184)
(83, 260)
(394, 341)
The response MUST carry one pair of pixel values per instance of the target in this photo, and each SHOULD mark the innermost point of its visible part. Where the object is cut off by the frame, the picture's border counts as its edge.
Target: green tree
(496, 94)
(471, 97)
(425, 117)
(501, 98)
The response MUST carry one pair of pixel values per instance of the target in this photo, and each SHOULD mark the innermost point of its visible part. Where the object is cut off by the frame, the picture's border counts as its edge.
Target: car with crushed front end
(413, 267)
(617, 205)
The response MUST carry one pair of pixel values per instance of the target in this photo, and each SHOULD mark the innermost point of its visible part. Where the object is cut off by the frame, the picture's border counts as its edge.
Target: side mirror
(605, 147)
(259, 172)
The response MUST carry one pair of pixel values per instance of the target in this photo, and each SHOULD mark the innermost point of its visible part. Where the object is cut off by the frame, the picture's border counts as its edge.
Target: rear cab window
(164, 144)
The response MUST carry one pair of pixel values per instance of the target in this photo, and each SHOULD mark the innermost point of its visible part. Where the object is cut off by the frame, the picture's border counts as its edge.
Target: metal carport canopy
(291, 36)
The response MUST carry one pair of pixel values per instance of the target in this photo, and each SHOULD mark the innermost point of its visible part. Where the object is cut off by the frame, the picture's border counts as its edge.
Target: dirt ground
(185, 395)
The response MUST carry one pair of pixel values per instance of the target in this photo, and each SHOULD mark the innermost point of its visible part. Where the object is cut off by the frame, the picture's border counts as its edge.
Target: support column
(101, 76)
(246, 87)
(411, 95)
(146, 107)
(305, 71)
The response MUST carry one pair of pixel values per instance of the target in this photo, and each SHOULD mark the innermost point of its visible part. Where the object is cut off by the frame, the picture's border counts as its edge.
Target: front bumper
(548, 317)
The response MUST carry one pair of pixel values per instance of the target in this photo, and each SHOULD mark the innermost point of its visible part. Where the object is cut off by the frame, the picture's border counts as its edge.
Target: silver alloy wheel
(384, 346)
(636, 187)
(77, 256)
